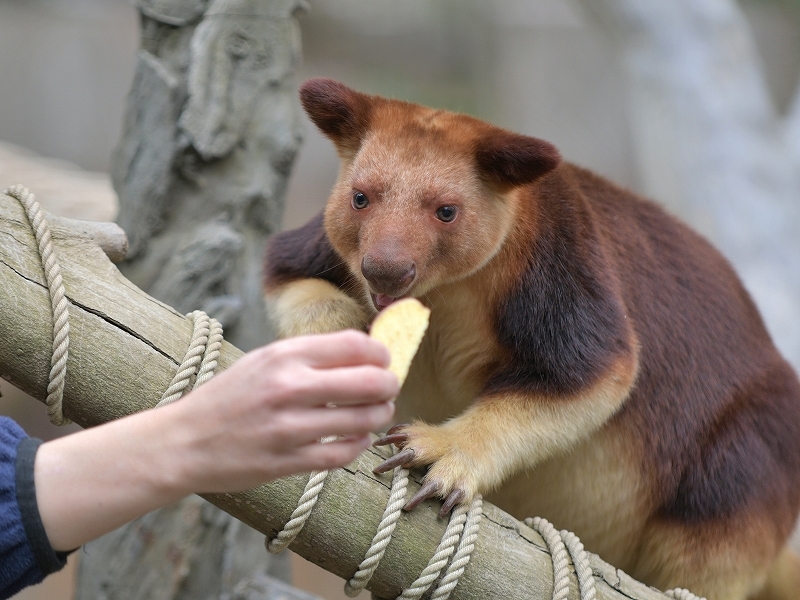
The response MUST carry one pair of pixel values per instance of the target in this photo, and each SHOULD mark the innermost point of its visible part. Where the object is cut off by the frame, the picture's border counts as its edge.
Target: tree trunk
(211, 131)
(125, 347)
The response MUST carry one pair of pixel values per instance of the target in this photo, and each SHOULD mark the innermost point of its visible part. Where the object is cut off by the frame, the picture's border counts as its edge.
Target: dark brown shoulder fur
(563, 323)
(304, 252)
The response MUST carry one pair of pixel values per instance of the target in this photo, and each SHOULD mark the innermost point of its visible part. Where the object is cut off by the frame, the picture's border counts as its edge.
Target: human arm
(255, 422)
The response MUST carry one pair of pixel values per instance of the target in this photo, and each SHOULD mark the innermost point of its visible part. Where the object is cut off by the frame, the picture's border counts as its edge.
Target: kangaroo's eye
(446, 214)
(360, 201)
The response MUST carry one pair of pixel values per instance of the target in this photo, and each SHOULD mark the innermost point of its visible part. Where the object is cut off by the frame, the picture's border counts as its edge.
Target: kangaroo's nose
(388, 277)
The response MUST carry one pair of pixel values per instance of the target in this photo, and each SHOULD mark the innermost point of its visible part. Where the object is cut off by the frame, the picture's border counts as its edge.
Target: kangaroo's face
(409, 212)
(423, 197)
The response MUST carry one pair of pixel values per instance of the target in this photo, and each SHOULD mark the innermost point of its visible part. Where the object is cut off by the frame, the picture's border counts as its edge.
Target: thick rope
(203, 351)
(561, 544)
(441, 557)
(558, 554)
(463, 552)
(300, 514)
(461, 531)
(58, 301)
(203, 348)
(208, 366)
(580, 559)
(397, 498)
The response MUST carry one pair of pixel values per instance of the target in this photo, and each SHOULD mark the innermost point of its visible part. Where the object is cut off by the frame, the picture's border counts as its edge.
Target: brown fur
(589, 359)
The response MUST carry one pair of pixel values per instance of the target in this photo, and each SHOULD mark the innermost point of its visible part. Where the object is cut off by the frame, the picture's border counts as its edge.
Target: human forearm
(91, 482)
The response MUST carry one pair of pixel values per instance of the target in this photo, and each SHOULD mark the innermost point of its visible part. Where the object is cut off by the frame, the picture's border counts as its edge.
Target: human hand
(262, 418)
(255, 422)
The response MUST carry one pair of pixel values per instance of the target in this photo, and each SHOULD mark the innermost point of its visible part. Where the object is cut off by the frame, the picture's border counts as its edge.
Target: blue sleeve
(26, 556)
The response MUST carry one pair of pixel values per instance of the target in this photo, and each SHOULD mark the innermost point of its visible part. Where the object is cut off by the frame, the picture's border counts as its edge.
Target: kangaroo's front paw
(451, 473)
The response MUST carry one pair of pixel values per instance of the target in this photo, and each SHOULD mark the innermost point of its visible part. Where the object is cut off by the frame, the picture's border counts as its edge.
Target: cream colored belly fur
(595, 490)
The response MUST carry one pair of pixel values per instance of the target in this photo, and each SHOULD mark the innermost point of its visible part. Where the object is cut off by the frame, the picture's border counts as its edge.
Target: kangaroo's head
(424, 197)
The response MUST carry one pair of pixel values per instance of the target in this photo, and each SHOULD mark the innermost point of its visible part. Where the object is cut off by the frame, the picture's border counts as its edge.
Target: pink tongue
(383, 300)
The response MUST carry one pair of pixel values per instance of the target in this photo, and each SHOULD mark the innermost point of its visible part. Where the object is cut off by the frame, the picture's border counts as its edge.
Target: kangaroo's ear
(339, 112)
(509, 159)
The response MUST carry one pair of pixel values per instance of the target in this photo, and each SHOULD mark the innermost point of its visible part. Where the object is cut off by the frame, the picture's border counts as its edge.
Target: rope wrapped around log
(125, 348)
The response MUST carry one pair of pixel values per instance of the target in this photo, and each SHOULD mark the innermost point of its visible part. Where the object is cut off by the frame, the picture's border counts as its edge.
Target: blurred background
(549, 68)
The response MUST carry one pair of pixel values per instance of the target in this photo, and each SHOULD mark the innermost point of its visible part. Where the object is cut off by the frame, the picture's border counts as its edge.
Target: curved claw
(394, 438)
(428, 489)
(453, 498)
(396, 428)
(399, 459)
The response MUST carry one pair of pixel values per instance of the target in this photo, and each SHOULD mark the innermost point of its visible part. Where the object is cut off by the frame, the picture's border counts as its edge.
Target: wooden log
(125, 347)
(109, 236)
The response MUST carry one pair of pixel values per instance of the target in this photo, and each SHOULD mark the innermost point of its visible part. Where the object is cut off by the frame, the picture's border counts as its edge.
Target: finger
(340, 349)
(347, 386)
(304, 427)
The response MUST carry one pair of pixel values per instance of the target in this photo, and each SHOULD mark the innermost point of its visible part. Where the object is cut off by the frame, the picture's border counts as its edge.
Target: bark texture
(210, 134)
(125, 348)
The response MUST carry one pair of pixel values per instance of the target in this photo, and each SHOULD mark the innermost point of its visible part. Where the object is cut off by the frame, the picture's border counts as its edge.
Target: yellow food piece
(400, 326)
